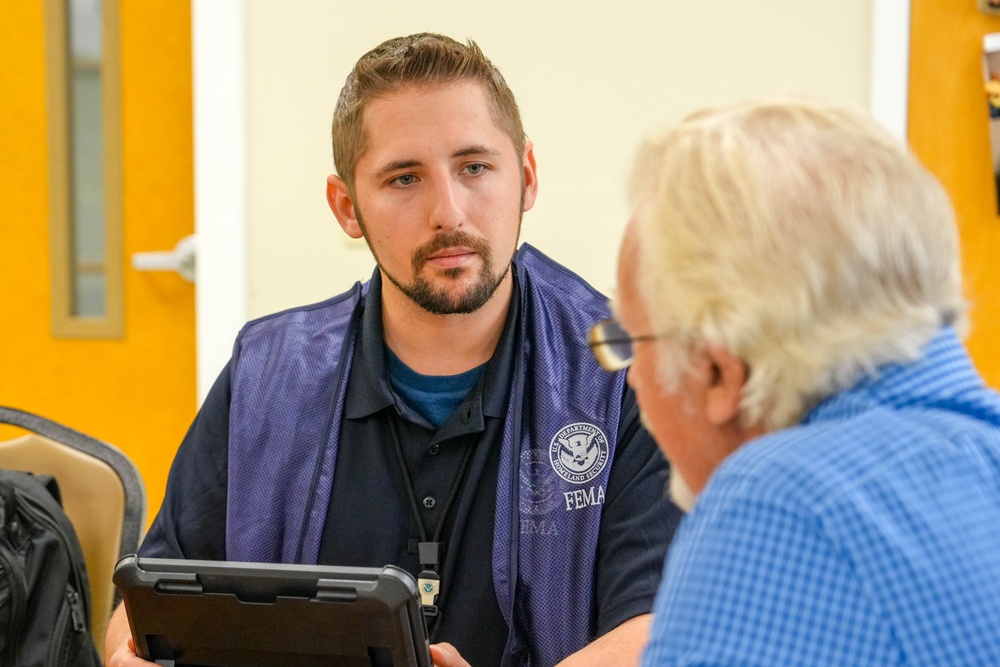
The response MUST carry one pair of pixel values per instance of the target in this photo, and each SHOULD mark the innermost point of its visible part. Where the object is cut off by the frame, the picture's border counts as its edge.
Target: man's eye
(404, 180)
(476, 168)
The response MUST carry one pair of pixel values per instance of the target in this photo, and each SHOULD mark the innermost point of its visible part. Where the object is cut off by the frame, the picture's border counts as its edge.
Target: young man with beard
(447, 416)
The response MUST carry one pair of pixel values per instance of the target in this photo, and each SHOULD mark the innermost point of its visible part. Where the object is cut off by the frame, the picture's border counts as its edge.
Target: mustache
(477, 244)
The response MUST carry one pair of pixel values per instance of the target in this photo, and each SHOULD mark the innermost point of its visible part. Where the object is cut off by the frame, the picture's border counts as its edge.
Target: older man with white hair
(790, 303)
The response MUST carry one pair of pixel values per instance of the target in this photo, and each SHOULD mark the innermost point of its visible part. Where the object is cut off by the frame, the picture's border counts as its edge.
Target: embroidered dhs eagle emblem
(579, 452)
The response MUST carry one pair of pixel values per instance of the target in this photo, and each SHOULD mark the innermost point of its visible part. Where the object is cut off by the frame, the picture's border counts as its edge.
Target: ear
(530, 175)
(727, 375)
(339, 198)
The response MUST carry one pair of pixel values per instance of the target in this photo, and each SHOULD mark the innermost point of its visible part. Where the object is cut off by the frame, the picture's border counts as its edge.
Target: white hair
(801, 237)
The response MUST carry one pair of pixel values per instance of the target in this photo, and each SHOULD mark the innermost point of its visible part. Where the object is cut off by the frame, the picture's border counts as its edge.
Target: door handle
(181, 259)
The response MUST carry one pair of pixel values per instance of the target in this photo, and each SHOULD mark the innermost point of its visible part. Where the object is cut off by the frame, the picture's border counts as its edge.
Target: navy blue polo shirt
(371, 520)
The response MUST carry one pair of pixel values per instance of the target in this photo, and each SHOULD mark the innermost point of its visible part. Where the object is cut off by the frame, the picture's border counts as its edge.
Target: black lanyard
(428, 551)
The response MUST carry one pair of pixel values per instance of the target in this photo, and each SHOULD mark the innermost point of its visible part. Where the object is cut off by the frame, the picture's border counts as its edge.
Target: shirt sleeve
(637, 524)
(191, 522)
(754, 579)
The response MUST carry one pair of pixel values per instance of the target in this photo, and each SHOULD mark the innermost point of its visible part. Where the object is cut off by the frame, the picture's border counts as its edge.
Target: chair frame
(135, 513)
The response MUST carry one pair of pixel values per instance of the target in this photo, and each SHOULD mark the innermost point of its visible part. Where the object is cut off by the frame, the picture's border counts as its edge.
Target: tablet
(228, 614)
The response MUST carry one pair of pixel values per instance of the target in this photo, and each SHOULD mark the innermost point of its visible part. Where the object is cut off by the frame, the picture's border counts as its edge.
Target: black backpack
(44, 590)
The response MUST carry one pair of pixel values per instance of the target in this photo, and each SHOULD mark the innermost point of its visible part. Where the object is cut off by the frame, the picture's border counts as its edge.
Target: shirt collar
(368, 388)
(369, 391)
(499, 371)
(942, 376)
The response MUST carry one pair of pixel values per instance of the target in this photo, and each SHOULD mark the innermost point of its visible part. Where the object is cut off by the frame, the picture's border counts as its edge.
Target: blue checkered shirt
(867, 535)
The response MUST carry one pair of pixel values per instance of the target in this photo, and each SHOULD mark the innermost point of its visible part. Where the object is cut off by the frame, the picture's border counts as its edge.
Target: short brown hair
(420, 59)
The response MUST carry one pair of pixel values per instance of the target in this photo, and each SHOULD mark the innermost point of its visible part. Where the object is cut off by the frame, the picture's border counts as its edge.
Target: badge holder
(429, 581)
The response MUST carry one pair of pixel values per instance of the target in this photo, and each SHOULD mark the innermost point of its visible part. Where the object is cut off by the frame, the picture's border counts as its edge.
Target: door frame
(218, 30)
(890, 74)
(220, 136)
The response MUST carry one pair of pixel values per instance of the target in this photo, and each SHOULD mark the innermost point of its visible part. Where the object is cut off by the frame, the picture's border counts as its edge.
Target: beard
(439, 299)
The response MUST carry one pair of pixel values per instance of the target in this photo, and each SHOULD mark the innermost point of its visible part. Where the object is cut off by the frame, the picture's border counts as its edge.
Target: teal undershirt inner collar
(433, 397)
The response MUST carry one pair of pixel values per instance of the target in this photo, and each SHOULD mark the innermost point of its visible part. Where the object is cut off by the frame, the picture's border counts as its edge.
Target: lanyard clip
(429, 585)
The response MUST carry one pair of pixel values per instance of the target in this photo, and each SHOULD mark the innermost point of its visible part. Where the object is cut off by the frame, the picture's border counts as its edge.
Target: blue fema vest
(290, 373)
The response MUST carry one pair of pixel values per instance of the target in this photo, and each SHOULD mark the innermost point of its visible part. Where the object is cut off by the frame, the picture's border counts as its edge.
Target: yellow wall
(137, 393)
(949, 132)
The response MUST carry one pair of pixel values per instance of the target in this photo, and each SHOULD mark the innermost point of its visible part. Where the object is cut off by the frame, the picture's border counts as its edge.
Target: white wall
(591, 79)
(218, 55)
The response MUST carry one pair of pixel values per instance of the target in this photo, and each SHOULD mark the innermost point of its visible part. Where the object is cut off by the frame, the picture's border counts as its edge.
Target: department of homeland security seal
(579, 452)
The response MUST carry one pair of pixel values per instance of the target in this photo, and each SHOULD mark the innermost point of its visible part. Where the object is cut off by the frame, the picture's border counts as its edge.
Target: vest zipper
(514, 539)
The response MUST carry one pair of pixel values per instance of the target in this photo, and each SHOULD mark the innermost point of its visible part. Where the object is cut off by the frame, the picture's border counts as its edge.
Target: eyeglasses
(612, 346)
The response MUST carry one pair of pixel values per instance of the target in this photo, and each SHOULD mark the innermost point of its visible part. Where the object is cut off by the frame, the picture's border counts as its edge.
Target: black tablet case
(226, 614)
